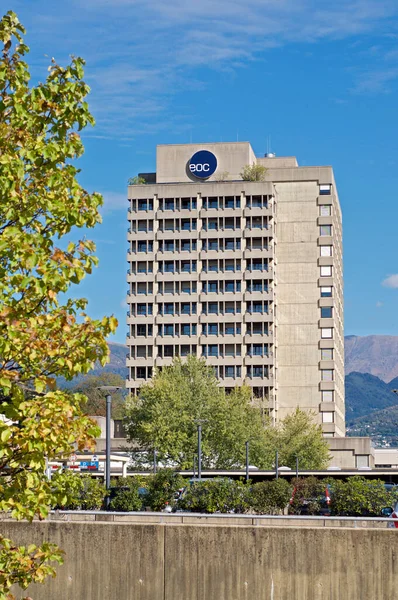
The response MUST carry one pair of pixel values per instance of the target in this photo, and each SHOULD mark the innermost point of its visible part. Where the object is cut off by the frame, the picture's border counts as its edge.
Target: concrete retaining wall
(132, 561)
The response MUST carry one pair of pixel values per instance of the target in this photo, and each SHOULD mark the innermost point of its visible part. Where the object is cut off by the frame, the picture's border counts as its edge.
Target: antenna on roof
(269, 154)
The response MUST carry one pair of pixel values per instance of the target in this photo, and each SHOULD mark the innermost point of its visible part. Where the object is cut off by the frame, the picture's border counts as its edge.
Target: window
(185, 246)
(326, 250)
(230, 286)
(168, 308)
(168, 330)
(185, 287)
(325, 230)
(185, 308)
(325, 189)
(326, 312)
(327, 417)
(326, 333)
(186, 224)
(212, 202)
(327, 354)
(185, 329)
(326, 271)
(168, 266)
(325, 210)
(186, 266)
(229, 371)
(210, 350)
(212, 329)
(212, 224)
(326, 292)
(229, 329)
(169, 245)
(212, 287)
(212, 308)
(230, 308)
(327, 375)
(212, 245)
(327, 396)
(141, 330)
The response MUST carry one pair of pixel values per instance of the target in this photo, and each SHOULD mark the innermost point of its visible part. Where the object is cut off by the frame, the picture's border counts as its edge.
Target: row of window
(208, 266)
(218, 329)
(221, 371)
(190, 287)
(212, 202)
(217, 245)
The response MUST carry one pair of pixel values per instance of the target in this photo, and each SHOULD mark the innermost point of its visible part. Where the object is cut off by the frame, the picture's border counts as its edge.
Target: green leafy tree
(168, 409)
(40, 336)
(253, 172)
(96, 402)
(162, 488)
(358, 496)
(136, 180)
(74, 491)
(215, 495)
(298, 435)
(125, 494)
(270, 497)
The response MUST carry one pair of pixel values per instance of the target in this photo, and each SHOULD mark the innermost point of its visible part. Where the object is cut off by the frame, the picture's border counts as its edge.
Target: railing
(218, 518)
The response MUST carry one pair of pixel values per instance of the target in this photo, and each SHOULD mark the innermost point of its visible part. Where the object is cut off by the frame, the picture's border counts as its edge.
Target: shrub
(253, 173)
(308, 489)
(74, 491)
(125, 494)
(93, 493)
(215, 495)
(270, 497)
(163, 488)
(359, 497)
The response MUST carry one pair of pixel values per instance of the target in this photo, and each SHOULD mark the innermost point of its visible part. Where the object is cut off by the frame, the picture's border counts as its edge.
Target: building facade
(247, 274)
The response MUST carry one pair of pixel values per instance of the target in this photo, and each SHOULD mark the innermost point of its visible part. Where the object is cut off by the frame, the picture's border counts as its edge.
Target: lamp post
(276, 464)
(247, 461)
(108, 390)
(199, 423)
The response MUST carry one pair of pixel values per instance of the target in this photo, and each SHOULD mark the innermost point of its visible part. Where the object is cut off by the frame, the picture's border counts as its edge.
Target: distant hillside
(380, 425)
(365, 394)
(375, 354)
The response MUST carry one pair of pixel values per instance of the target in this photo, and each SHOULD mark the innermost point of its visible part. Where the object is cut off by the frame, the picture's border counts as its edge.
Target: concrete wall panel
(112, 561)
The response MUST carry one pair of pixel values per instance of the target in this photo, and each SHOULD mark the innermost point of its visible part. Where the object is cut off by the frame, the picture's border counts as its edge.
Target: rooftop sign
(202, 164)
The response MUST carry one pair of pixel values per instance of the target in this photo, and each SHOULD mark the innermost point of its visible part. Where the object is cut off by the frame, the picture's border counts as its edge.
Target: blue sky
(319, 78)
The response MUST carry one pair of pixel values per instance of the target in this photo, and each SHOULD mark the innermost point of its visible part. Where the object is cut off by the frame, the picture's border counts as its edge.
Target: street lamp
(199, 425)
(247, 461)
(108, 390)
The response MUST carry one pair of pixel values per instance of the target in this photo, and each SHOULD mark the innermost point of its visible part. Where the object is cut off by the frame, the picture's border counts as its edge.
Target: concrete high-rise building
(247, 274)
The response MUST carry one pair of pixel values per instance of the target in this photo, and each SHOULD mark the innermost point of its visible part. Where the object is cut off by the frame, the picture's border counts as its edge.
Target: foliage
(298, 435)
(24, 565)
(253, 172)
(166, 413)
(270, 497)
(40, 337)
(96, 402)
(162, 488)
(137, 180)
(125, 495)
(215, 495)
(308, 489)
(74, 491)
(360, 497)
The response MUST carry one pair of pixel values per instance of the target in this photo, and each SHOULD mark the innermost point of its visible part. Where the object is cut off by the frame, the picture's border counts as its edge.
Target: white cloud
(114, 201)
(391, 281)
(379, 304)
(141, 53)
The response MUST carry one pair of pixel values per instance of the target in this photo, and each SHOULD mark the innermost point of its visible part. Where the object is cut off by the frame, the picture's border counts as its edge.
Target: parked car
(392, 512)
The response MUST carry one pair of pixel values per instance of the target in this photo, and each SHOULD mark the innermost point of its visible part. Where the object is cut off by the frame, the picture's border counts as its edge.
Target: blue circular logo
(202, 164)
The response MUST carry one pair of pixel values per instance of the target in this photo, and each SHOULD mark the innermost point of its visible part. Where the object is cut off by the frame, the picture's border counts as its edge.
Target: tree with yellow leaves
(40, 336)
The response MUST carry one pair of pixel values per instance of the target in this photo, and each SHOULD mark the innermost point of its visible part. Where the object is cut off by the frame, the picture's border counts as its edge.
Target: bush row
(354, 497)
